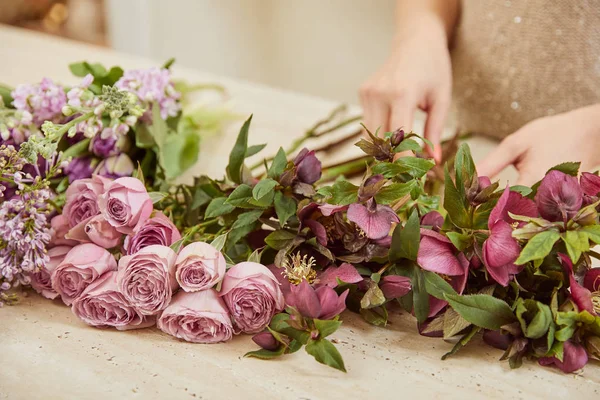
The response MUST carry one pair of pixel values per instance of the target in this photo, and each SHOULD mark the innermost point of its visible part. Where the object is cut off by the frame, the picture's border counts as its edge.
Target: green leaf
(219, 242)
(420, 295)
(377, 316)
(569, 168)
(437, 286)
(178, 245)
(200, 198)
(169, 63)
(415, 167)
(217, 207)
(576, 243)
(391, 193)
(482, 310)
(523, 190)
(278, 240)
(285, 207)
(464, 168)
(247, 218)
(344, 193)
(255, 256)
(405, 240)
(252, 150)
(77, 149)
(178, 153)
(278, 164)
(408, 145)
(5, 94)
(455, 204)
(325, 352)
(238, 153)
(454, 323)
(373, 297)
(535, 318)
(143, 137)
(592, 232)
(157, 197)
(266, 354)
(538, 247)
(462, 342)
(326, 327)
(78, 69)
(241, 197)
(263, 188)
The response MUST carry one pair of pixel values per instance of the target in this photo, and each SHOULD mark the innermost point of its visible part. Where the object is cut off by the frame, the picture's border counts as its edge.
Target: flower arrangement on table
(279, 249)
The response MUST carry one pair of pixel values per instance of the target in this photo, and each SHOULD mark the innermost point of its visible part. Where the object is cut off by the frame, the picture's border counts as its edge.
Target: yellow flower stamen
(297, 268)
(596, 301)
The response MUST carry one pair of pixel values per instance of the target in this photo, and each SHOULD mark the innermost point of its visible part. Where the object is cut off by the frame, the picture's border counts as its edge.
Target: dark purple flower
(514, 203)
(266, 341)
(394, 286)
(115, 167)
(574, 358)
(320, 303)
(370, 187)
(559, 196)
(79, 168)
(497, 339)
(590, 184)
(433, 219)
(374, 219)
(104, 147)
(500, 251)
(592, 280)
(308, 166)
(345, 273)
(397, 137)
(483, 182)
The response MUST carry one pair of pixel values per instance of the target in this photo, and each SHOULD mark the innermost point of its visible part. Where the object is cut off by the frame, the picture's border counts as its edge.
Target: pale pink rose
(100, 232)
(157, 230)
(60, 227)
(81, 202)
(126, 204)
(199, 317)
(199, 266)
(40, 281)
(252, 295)
(82, 265)
(102, 305)
(147, 278)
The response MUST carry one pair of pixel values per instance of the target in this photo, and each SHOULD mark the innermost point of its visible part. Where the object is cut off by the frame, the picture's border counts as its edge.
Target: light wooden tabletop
(47, 353)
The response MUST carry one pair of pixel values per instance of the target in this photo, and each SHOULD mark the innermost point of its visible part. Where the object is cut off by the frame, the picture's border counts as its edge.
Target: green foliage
(285, 207)
(279, 239)
(405, 240)
(482, 310)
(238, 153)
(538, 247)
(325, 352)
(455, 203)
(344, 193)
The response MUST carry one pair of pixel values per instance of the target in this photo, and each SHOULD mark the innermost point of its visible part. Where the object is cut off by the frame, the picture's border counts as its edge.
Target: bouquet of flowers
(281, 248)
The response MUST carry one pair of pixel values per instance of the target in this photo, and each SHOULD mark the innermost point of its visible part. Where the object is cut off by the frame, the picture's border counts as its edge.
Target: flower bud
(116, 166)
(68, 111)
(266, 341)
(397, 137)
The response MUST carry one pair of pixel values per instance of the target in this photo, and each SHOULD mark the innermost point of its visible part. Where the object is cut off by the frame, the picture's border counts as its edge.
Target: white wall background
(321, 47)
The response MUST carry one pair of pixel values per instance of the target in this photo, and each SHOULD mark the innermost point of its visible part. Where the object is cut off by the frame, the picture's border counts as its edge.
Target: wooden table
(46, 352)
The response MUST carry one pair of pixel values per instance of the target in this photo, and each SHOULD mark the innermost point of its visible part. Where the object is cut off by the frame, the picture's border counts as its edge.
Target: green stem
(64, 129)
(347, 168)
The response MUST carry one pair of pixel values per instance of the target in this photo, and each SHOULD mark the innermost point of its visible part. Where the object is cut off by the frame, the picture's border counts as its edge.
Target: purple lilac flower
(152, 85)
(79, 168)
(104, 147)
(44, 101)
(24, 234)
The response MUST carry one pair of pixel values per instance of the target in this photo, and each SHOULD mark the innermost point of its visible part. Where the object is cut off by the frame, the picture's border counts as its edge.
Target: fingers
(527, 179)
(434, 126)
(402, 115)
(505, 154)
(376, 110)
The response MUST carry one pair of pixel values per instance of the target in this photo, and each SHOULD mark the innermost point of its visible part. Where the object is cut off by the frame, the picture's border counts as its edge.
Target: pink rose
(40, 281)
(102, 305)
(252, 295)
(60, 227)
(147, 278)
(126, 204)
(82, 200)
(100, 232)
(199, 266)
(157, 230)
(199, 317)
(82, 265)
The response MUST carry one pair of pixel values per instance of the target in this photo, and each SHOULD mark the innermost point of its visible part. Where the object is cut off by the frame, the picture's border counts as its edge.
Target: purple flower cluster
(43, 101)
(152, 85)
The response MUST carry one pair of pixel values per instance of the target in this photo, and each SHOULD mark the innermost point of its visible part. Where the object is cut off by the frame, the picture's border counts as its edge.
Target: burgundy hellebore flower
(266, 340)
(433, 219)
(394, 286)
(512, 202)
(320, 303)
(374, 219)
(559, 196)
(574, 358)
(590, 184)
(438, 254)
(345, 273)
(591, 281)
(308, 166)
(581, 296)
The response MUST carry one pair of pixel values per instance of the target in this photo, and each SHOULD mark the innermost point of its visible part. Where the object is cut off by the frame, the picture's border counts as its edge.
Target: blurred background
(286, 44)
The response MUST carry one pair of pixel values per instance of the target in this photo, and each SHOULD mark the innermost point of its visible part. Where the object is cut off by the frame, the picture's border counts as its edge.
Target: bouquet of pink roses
(280, 249)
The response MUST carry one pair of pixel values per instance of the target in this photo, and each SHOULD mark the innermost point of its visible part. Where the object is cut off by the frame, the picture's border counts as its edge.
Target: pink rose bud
(82, 265)
(115, 167)
(199, 317)
(157, 230)
(147, 278)
(394, 286)
(60, 227)
(266, 340)
(320, 303)
(559, 196)
(100, 232)
(199, 266)
(40, 281)
(81, 201)
(126, 204)
(252, 295)
(102, 305)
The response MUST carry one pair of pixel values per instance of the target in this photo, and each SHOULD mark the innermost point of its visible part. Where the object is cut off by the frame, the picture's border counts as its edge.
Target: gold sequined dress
(517, 60)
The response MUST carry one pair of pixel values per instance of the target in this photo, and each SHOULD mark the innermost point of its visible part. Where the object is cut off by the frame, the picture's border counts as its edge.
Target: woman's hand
(546, 142)
(416, 75)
